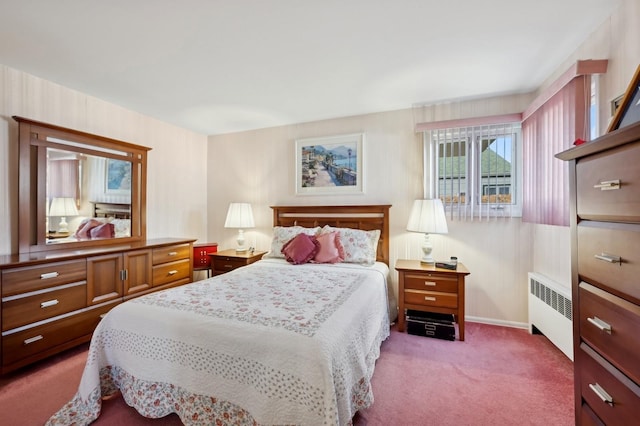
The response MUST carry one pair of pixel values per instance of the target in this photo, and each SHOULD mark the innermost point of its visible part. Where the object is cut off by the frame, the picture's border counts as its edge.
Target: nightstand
(228, 260)
(430, 289)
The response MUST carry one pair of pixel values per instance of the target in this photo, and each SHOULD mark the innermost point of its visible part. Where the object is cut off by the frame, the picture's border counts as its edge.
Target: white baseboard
(502, 323)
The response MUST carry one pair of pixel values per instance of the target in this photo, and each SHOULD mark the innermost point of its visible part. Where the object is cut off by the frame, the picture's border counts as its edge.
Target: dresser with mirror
(82, 241)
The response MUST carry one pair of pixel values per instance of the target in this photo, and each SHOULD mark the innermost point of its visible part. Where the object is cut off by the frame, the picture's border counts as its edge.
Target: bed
(270, 343)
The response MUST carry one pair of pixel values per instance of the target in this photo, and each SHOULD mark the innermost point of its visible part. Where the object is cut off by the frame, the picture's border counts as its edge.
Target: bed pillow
(300, 249)
(82, 233)
(283, 234)
(359, 246)
(105, 230)
(331, 250)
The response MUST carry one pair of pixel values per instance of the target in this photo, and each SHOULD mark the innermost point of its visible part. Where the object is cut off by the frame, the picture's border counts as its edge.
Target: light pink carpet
(497, 376)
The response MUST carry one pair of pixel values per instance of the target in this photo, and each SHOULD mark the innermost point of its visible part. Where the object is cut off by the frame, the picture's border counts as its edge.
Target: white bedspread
(270, 343)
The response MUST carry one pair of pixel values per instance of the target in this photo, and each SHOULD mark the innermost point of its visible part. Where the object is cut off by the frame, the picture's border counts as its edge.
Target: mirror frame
(34, 139)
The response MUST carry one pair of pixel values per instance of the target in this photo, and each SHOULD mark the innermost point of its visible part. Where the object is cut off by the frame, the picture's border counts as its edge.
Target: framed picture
(330, 165)
(629, 110)
(118, 177)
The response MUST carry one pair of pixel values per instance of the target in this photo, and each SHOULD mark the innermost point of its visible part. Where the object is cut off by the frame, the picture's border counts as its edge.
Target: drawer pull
(602, 394)
(48, 275)
(429, 283)
(228, 266)
(602, 326)
(49, 303)
(102, 315)
(33, 339)
(430, 298)
(172, 253)
(611, 258)
(608, 185)
(173, 272)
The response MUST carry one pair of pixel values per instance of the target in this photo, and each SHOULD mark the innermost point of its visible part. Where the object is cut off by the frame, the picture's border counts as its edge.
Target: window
(476, 170)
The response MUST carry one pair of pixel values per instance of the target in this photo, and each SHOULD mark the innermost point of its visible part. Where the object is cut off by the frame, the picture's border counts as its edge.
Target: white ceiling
(220, 66)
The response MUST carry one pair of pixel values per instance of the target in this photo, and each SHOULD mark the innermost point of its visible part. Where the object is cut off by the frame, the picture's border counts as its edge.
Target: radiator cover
(550, 311)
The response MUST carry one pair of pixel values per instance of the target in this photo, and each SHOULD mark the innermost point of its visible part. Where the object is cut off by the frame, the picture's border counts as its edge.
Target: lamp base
(427, 248)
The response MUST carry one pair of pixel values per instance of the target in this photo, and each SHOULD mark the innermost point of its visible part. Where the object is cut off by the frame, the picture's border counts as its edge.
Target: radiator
(550, 311)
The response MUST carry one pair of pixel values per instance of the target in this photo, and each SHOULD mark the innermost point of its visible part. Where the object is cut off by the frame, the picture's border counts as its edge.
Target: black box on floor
(431, 324)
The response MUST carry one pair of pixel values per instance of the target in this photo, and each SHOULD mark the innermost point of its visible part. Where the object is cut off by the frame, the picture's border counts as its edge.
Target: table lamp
(427, 216)
(239, 216)
(62, 207)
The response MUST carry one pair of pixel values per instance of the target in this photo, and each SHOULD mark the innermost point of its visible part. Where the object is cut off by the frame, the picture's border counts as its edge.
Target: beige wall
(177, 169)
(258, 167)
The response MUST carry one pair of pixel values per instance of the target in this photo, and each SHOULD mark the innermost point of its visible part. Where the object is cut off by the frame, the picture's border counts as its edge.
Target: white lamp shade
(62, 207)
(239, 215)
(427, 216)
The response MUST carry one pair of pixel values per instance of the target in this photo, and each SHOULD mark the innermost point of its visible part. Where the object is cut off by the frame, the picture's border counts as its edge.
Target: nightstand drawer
(431, 298)
(431, 282)
(226, 264)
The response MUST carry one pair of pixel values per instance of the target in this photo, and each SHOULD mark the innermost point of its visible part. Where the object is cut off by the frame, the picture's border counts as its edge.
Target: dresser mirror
(78, 189)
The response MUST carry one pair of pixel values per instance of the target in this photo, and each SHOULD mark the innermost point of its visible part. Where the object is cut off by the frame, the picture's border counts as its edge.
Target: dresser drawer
(595, 199)
(599, 244)
(620, 345)
(431, 282)
(67, 332)
(171, 271)
(171, 253)
(598, 375)
(430, 298)
(32, 307)
(32, 278)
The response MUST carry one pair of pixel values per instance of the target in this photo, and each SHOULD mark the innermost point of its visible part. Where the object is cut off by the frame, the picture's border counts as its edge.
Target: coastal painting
(330, 165)
(118, 177)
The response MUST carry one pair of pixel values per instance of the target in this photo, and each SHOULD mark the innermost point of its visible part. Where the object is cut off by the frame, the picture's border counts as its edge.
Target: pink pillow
(300, 249)
(106, 230)
(331, 250)
(82, 233)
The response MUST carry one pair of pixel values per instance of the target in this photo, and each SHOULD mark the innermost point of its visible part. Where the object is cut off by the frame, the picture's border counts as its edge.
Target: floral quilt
(270, 343)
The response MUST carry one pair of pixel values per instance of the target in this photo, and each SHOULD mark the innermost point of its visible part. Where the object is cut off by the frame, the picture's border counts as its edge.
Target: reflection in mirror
(78, 190)
(88, 197)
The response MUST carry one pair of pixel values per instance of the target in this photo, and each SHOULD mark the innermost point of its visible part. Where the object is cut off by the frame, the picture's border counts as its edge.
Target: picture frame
(629, 110)
(330, 165)
(117, 177)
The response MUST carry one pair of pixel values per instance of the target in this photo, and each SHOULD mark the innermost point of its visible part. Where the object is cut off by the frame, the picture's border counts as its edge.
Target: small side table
(228, 260)
(201, 258)
(430, 289)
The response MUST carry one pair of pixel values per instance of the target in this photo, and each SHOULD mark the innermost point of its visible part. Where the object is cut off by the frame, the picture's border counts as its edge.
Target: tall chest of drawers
(605, 229)
(51, 301)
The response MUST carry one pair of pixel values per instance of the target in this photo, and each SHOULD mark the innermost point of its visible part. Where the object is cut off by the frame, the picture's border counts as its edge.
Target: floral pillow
(283, 234)
(331, 250)
(359, 246)
(301, 249)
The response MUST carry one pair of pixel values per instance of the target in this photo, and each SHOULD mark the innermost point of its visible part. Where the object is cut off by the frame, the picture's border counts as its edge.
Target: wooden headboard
(366, 218)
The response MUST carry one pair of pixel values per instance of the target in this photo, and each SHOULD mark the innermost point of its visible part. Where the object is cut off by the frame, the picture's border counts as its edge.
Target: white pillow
(282, 234)
(359, 246)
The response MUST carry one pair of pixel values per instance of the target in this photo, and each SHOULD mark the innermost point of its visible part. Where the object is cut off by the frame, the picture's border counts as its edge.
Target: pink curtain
(63, 179)
(550, 129)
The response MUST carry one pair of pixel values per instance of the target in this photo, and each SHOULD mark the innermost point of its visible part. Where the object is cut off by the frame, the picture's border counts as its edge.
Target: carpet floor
(497, 376)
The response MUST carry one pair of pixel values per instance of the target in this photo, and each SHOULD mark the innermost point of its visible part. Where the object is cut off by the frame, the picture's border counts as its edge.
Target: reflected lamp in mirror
(63, 207)
(240, 216)
(427, 217)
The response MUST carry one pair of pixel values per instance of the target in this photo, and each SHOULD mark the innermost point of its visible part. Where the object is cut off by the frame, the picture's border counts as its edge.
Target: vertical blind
(550, 129)
(475, 169)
